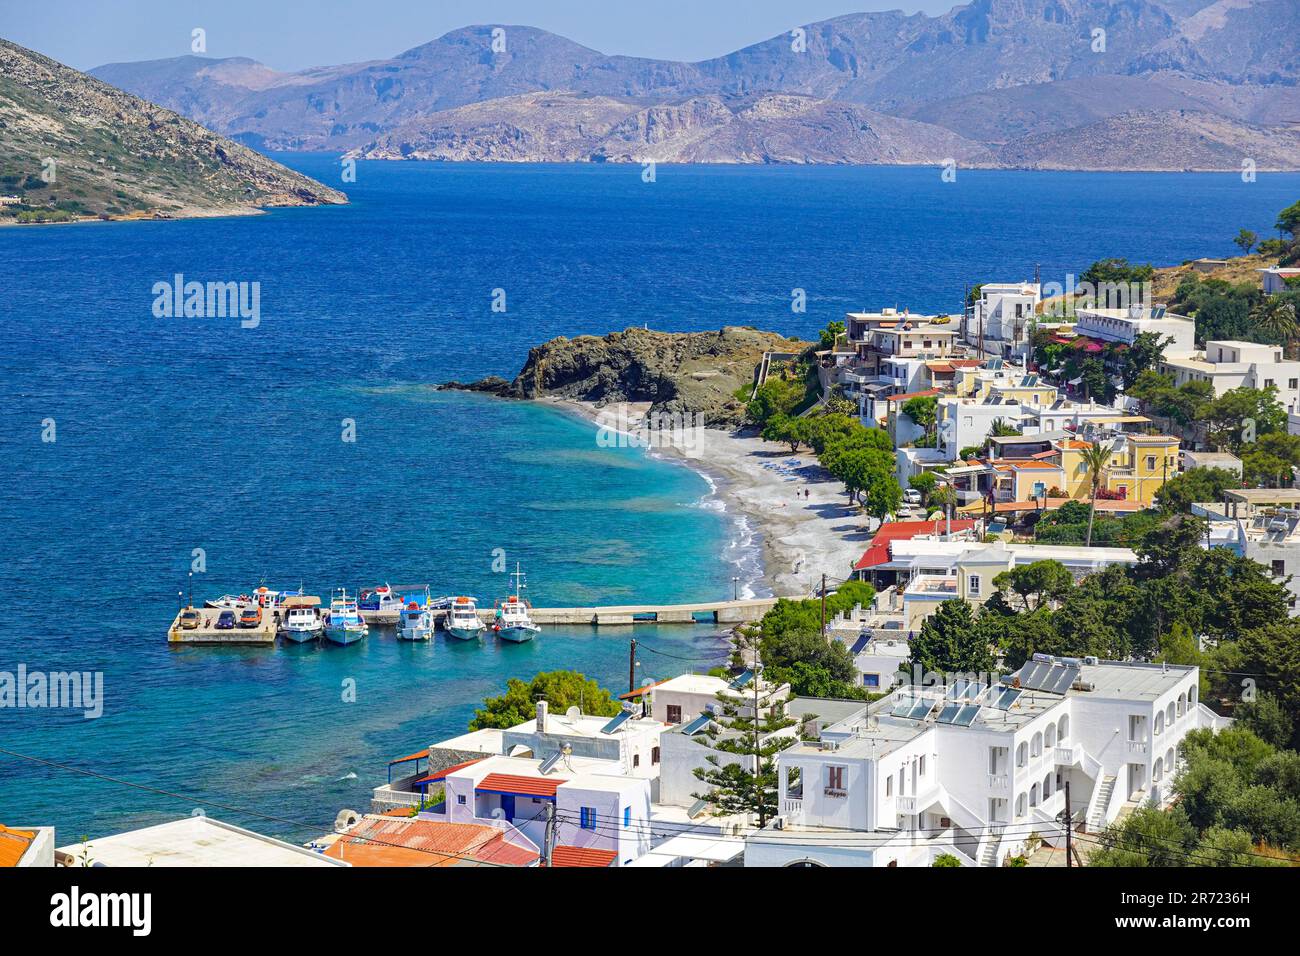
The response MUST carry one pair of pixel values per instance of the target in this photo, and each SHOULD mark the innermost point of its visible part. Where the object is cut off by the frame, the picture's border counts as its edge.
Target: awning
(416, 756)
(581, 856)
(517, 786)
(638, 692)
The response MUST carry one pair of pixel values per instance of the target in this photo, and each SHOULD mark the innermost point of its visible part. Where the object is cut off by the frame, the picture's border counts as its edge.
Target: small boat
(513, 622)
(301, 619)
(230, 602)
(345, 625)
(462, 620)
(416, 621)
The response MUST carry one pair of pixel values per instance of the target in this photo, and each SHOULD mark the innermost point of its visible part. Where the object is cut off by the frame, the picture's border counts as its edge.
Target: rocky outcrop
(674, 372)
(76, 148)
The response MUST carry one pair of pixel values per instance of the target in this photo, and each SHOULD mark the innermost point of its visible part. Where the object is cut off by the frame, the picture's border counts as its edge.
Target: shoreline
(796, 539)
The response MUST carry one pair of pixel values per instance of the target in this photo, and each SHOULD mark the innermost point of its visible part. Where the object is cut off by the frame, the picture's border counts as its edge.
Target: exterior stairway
(988, 854)
(1097, 816)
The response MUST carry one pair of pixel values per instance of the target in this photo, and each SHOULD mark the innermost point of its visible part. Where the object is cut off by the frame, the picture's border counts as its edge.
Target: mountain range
(1144, 84)
(78, 148)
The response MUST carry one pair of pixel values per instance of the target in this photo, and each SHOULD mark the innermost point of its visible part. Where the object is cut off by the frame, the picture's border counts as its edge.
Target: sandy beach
(799, 515)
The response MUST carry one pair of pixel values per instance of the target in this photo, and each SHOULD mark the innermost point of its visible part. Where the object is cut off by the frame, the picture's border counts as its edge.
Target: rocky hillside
(76, 148)
(772, 128)
(992, 72)
(677, 372)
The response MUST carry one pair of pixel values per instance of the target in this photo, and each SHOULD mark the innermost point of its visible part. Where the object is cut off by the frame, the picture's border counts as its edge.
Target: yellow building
(1136, 471)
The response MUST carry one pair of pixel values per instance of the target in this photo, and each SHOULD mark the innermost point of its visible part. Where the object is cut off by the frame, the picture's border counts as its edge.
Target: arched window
(1169, 760)
(1191, 697)
(1158, 769)
(1170, 716)
(1036, 747)
(1021, 758)
(1049, 737)
(1033, 795)
(1063, 728)
(1160, 722)
(804, 863)
(1047, 786)
(1182, 704)
(1020, 805)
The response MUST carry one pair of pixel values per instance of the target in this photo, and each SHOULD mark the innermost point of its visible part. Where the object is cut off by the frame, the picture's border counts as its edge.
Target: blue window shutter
(588, 818)
(627, 816)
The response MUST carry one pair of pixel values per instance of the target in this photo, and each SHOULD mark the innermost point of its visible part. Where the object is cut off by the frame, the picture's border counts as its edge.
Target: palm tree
(1276, 318)
(1096, 458)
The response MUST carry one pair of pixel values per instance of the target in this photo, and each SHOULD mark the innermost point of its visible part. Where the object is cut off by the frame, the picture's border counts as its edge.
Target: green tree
(1275, 318)
(828, 336)
(1036, 584)
(560, 689)
(1245, 241)
(1095, 459)
(946, 859)
(1179, 493)
(922, 411)
(950, 642)
(1288, 220)
(1148, 837)
(776, 396)
(793, 431)
(1266, 719)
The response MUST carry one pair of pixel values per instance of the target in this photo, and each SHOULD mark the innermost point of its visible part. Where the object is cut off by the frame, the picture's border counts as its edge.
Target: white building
(192, 841)
(1004, 315)
(26, 846)
(1274, 278)
(974, 771)
(1262, 524)
(1125, 325)
(1228, 365)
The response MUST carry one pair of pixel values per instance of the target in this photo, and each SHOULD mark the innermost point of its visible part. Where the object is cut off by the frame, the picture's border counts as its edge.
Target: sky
(295, 34)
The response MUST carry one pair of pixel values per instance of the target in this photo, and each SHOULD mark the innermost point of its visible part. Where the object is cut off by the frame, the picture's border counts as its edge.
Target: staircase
(1097, 815)
(989, 853)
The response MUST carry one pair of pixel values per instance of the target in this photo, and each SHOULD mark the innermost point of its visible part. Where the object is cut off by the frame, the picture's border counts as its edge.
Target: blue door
(508, 805)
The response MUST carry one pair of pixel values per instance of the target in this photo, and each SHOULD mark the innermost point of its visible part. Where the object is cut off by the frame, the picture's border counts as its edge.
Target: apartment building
(972, 769)
(1001, 320)
(1125, 325)
(1227, 365)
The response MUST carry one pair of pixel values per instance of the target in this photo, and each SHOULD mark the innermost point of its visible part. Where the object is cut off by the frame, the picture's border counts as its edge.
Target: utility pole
(1069, 826)
(823, 605)
(548, 834)
(631, 667)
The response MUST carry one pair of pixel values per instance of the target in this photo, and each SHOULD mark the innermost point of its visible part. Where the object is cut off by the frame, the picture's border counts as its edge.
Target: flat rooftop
(195, 841)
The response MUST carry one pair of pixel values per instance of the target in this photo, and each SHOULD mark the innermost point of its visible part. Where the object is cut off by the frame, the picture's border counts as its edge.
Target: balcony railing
(999, 781)
(1065, 756)
(907, 804)
(792, 807)
(1137, 746)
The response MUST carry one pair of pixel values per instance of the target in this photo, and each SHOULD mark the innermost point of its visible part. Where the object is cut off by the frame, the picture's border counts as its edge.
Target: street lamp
(735, 589)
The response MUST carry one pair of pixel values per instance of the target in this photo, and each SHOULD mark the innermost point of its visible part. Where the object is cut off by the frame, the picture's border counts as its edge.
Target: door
(508, 805)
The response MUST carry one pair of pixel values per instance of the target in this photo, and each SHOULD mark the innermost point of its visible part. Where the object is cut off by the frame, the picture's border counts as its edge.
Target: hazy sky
(292, 34)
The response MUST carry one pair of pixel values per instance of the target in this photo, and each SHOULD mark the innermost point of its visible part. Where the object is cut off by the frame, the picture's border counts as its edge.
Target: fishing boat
(462, 620)
(300, 619)
(345, 625)
(231, 602)
(381, 605)
(513, 622)
(416, 620)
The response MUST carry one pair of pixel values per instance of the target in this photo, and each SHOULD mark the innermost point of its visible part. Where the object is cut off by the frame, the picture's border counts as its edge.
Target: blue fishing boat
(345, 625)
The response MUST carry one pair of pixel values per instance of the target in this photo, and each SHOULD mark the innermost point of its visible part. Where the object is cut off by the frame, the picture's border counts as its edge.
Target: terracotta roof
(906, 396)
(1034, 463)
(393, 842)
(878, 552)
(520, 786)
(581, 856)
(1103, 504)
(13, 844)
(415, 756)
(440, 774)
(638, 692)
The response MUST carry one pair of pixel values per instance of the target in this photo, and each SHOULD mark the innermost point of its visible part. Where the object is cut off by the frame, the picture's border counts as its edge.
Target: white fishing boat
(344, 624)
(231, 602)
(301, 623)
(462, 620)
(513, 622)
(382, 605)
(416, 621)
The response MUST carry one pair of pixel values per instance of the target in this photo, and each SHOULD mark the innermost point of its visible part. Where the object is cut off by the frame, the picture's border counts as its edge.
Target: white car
(912, 496)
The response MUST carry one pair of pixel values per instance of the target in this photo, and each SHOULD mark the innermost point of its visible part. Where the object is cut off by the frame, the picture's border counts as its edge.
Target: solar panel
(973, 690)
(966, 716)
(742, 680)
(617, 722)
(1001, 698)
(1063, 680)
(549, 763)
(1049, 676)
(921, 708)
(949, 713)
(696, 725)
(902, 705)
(956, 690)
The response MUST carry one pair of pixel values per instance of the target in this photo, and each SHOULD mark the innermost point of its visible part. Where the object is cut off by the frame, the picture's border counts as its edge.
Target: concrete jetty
(207, 633)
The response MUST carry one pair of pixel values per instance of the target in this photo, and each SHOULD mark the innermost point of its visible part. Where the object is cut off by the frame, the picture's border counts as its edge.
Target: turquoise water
(175, 434)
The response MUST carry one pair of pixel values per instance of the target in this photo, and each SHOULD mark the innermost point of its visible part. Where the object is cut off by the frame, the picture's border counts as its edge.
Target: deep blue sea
(174, 434)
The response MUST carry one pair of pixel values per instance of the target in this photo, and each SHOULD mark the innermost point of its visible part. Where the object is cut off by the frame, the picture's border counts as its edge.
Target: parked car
(912, 496)
(250, 617)
(191, 618)
(226, 621)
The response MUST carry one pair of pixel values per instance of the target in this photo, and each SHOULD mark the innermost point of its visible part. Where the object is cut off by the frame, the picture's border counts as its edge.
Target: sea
(148, 457)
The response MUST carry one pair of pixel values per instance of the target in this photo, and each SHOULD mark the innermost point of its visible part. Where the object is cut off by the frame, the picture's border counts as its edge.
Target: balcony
(792, 807)
(1067, 756)
(1137, 747)
(907, 804)
(999, 781)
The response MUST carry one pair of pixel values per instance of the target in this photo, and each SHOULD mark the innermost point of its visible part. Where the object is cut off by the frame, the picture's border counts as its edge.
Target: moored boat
(345, 625)
(300, 619)
(416, 620)
(462, 620)
(513, 622)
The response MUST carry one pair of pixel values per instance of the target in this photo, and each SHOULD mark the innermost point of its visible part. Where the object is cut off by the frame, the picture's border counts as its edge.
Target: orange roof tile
(13, 844)
(396, 842)
(581, 856)
(906, 396)
(420, 755)
(440, 774)
(522, 786)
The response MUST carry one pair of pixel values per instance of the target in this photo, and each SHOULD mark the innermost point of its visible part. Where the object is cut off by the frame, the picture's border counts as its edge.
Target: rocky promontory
(675, 372)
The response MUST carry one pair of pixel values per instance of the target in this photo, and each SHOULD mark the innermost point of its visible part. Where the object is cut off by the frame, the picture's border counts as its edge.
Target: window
(834, 778)
(974, 581)
(1268, 383)
(889, 785)
(674, 714)
(636, 760)
(587, 817)
(920, 766)
(627, 816)
(654, 755)
(460, 799)
(1279, 568)
(870, 680)
(1151, 462)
